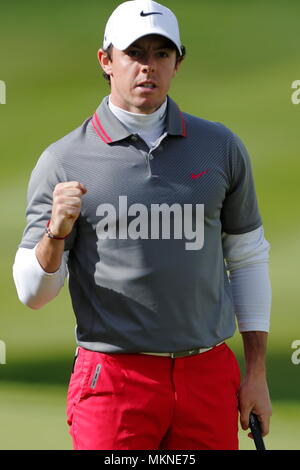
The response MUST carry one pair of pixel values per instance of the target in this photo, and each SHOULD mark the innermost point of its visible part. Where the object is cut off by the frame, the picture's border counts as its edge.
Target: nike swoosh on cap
(152, 13)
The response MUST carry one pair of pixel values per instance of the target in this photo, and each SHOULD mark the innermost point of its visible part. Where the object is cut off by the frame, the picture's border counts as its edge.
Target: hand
(67, 200)
(254, 397)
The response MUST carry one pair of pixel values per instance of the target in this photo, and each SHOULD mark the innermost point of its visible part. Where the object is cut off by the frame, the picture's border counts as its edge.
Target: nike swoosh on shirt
(194, 176)
(152, 13)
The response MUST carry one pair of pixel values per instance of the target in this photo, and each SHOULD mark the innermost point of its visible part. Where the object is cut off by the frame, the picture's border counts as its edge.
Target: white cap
(137, 18)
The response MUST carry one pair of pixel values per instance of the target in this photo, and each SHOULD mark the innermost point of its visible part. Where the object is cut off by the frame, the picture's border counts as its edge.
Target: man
(148, 208)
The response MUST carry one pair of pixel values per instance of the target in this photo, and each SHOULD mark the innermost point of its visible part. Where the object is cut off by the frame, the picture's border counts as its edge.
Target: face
(141, 75)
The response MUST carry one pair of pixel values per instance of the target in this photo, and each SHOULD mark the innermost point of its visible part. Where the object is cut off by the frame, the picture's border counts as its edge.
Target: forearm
(254, 393)
(255, 348)
(49, 253)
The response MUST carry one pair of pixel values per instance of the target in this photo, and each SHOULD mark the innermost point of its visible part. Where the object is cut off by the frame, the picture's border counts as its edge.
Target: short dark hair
(171, 45)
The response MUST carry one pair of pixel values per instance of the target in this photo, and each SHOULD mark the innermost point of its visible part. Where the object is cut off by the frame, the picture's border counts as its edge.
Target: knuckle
(59, 200)
(59, 189)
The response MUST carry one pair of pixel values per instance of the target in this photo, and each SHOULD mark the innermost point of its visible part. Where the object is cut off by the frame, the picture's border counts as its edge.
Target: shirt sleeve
(247, 260)
(47, 173)
(35, 287)
(240, 213)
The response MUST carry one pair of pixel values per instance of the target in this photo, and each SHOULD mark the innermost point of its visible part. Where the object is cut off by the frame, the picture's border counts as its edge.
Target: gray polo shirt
(146, 266)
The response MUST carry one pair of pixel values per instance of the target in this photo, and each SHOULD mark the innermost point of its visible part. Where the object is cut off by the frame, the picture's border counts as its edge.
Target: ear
(104, 61)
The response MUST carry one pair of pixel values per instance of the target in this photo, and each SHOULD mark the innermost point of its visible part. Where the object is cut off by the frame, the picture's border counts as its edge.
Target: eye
(163, 54)
(133, 53)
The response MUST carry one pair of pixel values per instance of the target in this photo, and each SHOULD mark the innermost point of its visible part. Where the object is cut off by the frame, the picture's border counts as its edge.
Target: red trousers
(136, 401)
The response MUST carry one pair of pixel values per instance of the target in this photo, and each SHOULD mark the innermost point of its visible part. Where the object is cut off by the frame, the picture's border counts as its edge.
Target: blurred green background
(242, 59)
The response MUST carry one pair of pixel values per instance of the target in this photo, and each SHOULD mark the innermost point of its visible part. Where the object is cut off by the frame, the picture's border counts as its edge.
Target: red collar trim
(183, 125)
(100, 130)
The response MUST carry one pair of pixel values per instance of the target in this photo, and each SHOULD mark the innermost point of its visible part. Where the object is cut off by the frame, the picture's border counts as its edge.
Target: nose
(148, 68)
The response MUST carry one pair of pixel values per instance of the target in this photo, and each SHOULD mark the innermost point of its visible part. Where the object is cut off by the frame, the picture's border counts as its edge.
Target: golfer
(152, 213)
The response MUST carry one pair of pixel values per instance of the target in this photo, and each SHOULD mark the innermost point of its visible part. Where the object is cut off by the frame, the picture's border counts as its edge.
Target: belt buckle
(190, 352)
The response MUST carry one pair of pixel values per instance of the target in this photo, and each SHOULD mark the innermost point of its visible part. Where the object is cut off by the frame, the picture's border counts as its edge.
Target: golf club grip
(256, 432)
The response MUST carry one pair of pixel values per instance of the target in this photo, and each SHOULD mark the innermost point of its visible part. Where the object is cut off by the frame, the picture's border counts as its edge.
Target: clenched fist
(67, 200)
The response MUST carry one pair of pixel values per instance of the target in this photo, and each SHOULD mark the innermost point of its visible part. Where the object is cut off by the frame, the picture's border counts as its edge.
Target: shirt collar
(110, 129)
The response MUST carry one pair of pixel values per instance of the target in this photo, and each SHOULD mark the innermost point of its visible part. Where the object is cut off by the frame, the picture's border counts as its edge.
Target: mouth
(147, 85)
